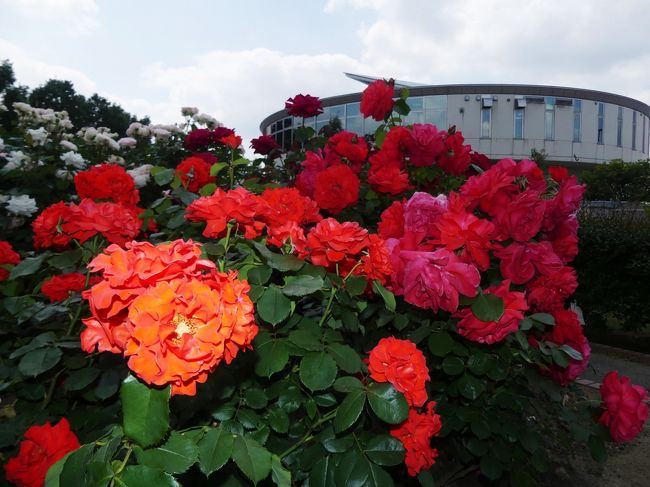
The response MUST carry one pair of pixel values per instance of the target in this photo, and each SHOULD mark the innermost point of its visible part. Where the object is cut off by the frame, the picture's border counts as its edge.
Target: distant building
(571, 125)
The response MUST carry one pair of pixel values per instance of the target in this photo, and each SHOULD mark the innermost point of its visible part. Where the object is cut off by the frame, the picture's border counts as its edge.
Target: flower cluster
(58, 288)
(170, 312)
(626, 408)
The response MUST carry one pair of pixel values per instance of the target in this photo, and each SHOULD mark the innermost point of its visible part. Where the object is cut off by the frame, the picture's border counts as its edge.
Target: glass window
(435, 102)
(354, 124)
(633, 130)
(519, 123)
(337, 112)
(437, 118)
(486, 122)
(287, 122)
(352, 109)
(643, 137)
(577, 119)
(619, 127)
(549, 118)
(601, 123)
(416, 103)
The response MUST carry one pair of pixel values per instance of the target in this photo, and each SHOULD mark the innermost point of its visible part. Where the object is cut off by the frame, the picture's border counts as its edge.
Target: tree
(7, 76)
(619, 181)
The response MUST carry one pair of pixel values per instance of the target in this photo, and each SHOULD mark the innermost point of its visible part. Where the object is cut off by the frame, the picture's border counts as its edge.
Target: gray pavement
(632, 364)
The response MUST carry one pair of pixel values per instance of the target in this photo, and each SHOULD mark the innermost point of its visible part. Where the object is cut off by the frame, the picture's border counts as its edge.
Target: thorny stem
(308, 436)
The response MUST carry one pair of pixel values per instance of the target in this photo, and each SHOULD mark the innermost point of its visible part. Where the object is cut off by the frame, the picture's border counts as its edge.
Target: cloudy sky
(240, 60)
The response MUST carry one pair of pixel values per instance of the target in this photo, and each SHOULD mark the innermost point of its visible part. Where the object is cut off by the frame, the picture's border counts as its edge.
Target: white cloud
(76, 17)
(33, 72)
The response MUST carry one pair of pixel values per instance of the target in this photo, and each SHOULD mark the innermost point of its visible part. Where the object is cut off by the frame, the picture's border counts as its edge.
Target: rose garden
(393, 309)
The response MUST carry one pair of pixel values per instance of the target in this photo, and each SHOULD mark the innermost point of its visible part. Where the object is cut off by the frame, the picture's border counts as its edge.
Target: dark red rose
(625, 410)
(303, 106)
(377, 99)
(7, 256)
(198, 139)
(58, 288)
(264, 145)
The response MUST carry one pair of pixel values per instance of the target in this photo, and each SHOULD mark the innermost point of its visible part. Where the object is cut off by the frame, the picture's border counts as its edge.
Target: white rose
(66, 144)
(15, 159)
(189, 111)
(38, 136)
(63, 174)
(140, 175)
(22, 205)
(2, 144)
(73, 159)
(127, 142)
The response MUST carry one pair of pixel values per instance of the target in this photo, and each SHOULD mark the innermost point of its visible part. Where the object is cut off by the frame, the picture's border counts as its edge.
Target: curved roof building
(571, 125)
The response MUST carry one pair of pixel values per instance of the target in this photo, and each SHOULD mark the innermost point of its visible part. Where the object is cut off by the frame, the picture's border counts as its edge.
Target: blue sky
(239, 60)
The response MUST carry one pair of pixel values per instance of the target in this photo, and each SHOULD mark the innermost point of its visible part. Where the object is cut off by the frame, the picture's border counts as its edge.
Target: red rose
(415, 434)
(47, 227)
(377, 99)
(568, 331)
(564, 239)
(376, 264)
(422, 213)
(349, 146)
(455, 159)
(521, 217)
(208, 157)
(264, 145)
(7, 256)
(425, 144)
(625, 410)
(489, 190)
(330, 243)
(403, 365)
(287, 204)
(548, 293)
(194, 173)
(388, 179)
(220, 132)
(217, 210)
(303, 106)
(391, 224)
(336, 188)
(58, 288)
(233, 141)
(520, 261)
(198, 139)
(313, 164)
(107, 182)
(564, 204)
(558, 173)
(42, 447)
(117, 223)
(514, 305)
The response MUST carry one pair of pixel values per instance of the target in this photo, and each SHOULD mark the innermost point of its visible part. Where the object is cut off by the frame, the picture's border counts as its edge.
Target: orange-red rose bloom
(58, 288)
(7, 256)
(47, 227)
(377, 99)
(415, 434)
(127, 273)
(116, 222)
(375, 265)
(194, 173)
(403, 365)
(107, 182)
(330, 243)
(42, 447)
(336, 188)
(183, 329)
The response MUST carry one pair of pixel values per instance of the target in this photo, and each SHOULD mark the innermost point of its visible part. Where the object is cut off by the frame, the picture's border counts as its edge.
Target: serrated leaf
(216, 168)
(273, 355)
(440, 343)
(79, 379)
(488, 307)
(143, 476)
(317, 371)
(470, 387)
(176, 455)
(215, 449)
(27, 266)
(280, 475)
(251, 458)
(386, 295)
(162, 176)
(283, 263)
(145, 411)
(322, 473)
(355, 285)
(74, 469)
(543, 318)
(349, 410)
(346, 357)
(347, 384)
(387, 403)
(38, 361)
(571, 352)
(306, 340)
(273, 307)
(453, 365)
(385, 450)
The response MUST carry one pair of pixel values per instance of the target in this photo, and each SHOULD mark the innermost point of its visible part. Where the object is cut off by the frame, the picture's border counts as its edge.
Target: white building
(571, 125)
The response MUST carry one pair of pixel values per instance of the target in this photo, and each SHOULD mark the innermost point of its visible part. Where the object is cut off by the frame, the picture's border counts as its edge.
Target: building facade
(570, 125)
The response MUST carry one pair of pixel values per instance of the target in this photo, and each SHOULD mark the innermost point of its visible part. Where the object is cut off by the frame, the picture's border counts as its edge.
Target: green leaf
(355, 285)
(322, 473)
(145, 410)
(521, 478)
(597, 448)
(317, 371)
(571, 352)
(108, 384)
(302, 285)
(470, 387)
(251, 458)
(176, 455)
(453, 365)
(346, 357)
(208, 189)
(66, 259)
(559, 358)
(74, 469)
(477, 447)
(481, 429)
(28, 266)
(352, 471)
(38, 361)
(490, 467)
(79, 379)
(387, 403)
(543, 318)
(43, 340)
(488, 307)
(401, 107)
(162, 176)
(387, 296)
(278, 420)
(273, 307)
(52, 479)
(306, 340)
(385, 450)
(143, 476)
(215, 449)
(347, 384)
(349, 410)
(216, 168)
(426, 479)
(259, 275)
(241, 162)
(255, 398)
(479, 363)
(280, 475)
(283, 263)
(273, 355)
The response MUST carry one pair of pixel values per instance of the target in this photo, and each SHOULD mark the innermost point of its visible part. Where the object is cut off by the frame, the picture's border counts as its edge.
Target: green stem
(50, 390)
(226, 246)
(125, 461)
(327, 309)
(231, 169)
(308, 436)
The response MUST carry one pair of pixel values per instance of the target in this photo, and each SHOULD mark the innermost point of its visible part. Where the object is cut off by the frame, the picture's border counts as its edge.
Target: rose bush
(379, 310)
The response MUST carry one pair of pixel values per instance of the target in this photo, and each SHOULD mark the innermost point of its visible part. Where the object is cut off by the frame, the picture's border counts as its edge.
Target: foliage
(618, 181)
